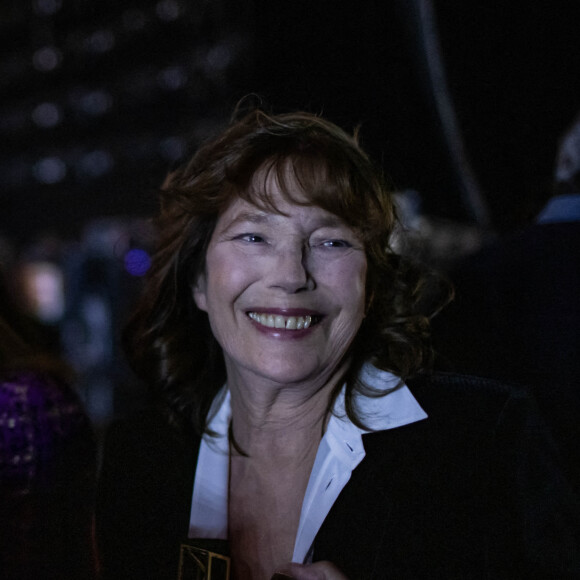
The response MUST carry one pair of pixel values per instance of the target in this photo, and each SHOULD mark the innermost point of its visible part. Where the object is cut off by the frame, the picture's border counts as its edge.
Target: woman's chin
(287, 376)
(288, 372)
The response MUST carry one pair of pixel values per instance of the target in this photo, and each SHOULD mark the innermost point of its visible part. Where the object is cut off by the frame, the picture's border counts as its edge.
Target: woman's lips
(280, 321)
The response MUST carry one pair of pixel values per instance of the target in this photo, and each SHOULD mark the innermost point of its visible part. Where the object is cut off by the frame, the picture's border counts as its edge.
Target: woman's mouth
(285, 322)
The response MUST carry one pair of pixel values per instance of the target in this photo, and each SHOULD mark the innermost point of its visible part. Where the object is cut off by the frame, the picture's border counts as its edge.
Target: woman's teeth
(277, 321)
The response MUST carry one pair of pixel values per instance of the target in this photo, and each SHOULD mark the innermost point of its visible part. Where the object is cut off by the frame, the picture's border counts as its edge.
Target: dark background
(511, 71)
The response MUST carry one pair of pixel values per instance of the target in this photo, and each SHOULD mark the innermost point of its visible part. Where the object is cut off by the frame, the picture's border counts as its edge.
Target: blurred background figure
(516, 315)
(47, 460)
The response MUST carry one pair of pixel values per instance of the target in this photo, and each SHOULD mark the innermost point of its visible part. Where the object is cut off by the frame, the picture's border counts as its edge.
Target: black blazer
(472, 492)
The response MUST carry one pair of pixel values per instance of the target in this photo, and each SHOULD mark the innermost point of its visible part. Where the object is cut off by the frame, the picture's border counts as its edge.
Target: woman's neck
(278, 427)
(283, 421)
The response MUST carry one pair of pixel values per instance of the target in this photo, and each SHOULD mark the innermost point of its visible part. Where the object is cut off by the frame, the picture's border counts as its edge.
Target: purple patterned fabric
(47, 479)
(37, 417)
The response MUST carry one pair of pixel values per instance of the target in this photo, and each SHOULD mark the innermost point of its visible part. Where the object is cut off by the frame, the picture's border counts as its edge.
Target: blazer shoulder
(468, 417)
(471, 398)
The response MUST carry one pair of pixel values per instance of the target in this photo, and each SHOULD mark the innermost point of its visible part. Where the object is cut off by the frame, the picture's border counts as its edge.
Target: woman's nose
(290, 271)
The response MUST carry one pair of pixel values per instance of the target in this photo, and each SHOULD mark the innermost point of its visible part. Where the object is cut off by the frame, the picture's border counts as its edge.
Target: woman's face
(284, 292)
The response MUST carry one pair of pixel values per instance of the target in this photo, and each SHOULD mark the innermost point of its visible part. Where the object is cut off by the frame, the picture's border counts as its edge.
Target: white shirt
(340, 451)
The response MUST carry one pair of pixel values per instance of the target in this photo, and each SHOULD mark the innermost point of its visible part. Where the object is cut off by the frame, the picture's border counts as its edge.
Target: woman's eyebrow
(253, 217)
(330, 221)
(259, 217)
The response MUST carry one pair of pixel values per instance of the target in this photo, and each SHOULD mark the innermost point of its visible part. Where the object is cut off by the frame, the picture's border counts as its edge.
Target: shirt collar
(219, 417)
(394, 406)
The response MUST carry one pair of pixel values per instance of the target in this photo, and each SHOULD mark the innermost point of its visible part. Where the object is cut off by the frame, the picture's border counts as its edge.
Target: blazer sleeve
(143, 498)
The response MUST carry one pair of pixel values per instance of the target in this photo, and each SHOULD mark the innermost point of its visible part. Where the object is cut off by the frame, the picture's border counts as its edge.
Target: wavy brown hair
(168, 340)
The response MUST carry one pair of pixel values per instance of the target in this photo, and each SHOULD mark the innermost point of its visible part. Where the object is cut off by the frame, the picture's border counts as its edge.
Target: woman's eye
(336, 244)
(252, 238)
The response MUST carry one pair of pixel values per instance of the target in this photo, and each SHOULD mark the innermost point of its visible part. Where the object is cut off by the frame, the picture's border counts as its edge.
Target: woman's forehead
(242, 211)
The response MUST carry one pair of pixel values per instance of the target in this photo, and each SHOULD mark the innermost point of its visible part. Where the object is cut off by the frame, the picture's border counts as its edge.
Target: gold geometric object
(204, 560)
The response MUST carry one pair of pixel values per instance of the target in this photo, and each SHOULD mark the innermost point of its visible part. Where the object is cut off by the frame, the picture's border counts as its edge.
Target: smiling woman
(237, 186)
(277, 332)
